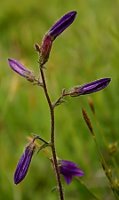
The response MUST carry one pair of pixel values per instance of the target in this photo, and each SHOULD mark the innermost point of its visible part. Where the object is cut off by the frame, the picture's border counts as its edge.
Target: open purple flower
(69, 169)
(65, 21)
(91, 87)
(24, 162)
(21, 69)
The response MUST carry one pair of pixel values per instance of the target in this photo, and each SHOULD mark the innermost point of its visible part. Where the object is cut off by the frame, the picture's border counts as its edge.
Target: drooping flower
(53, 32)
(69, 169)
(91, 87)
(24, 163)
(21, 69)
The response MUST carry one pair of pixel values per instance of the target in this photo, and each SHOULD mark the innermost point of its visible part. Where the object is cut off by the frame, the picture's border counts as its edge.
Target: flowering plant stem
(52, 139)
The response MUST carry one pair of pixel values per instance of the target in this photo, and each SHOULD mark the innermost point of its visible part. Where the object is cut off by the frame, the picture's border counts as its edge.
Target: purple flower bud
(91, 87)
(21, 70)
(50, 36)
(65, 21)
(24, 162)
(69, 169)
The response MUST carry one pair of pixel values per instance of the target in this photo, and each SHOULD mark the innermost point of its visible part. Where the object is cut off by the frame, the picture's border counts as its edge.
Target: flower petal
(62, 24)
(69, 169)
(68, 179)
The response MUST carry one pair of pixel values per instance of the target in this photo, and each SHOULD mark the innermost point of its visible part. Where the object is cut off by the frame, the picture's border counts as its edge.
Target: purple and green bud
(89, 88)
(69, 170)
(24, 163)
(21, 69)
(53, 32)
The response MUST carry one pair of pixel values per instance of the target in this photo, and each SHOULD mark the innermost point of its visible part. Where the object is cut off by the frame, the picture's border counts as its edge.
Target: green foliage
(86, 51)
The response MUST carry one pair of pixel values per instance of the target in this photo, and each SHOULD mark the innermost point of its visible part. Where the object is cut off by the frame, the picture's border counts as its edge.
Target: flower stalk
(54, 157)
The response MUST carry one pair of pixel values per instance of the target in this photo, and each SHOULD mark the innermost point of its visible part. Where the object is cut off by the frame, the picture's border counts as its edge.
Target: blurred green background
(87, 50)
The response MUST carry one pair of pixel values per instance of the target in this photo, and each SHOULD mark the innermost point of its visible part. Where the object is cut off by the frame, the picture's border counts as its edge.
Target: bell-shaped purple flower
(69, 169)
(24, 162)
(65, 21)
(91, 87)
(21, 69)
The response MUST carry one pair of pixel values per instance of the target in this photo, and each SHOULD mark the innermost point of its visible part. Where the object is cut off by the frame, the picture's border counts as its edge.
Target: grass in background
(88, 50)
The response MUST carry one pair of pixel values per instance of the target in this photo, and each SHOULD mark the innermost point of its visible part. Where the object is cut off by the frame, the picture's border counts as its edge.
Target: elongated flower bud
(24, 162)
(65, 21)
(91, 87)
(53, 32)
(21, 69)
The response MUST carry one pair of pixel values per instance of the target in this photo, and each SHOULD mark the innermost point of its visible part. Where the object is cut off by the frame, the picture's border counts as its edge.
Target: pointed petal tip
(106, 80)
(80, 173)
(16, 182)
(73, 12)
(68, 179)
(109, 79)
(10, 60)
